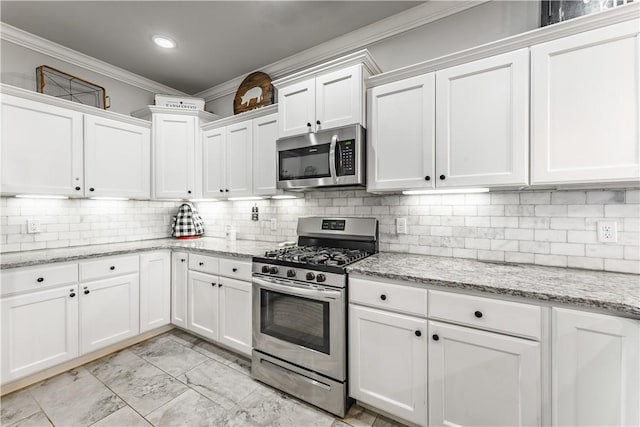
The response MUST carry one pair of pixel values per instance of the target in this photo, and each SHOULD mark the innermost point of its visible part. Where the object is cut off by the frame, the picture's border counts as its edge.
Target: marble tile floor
(174, 379)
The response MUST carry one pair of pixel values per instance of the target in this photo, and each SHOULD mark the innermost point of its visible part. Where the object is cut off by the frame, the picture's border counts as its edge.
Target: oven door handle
(332, 158)
(295, 290)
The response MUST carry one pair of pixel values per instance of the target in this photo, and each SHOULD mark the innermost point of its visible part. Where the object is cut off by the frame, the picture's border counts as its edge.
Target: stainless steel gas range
(300, 309)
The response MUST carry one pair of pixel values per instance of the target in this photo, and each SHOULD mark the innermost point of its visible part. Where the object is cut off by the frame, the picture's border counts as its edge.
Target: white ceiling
(217, 40)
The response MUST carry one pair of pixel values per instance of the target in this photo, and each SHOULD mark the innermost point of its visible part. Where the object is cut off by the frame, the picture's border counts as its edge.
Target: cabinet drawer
(40, 277)
(203, 263)
(388, 296)
(486, 313)
(109, 267)
(236, 269)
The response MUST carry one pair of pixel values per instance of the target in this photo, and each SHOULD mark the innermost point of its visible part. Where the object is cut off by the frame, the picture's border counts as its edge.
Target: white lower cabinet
(155, 290)
(39, 330)
(235, 314)
(179, 279)
(388, 362)
(596, 363)
(479, 378)
(109, 311)
(202, 294)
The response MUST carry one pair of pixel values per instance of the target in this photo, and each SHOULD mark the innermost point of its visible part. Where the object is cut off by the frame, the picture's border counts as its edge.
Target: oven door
(301, 324)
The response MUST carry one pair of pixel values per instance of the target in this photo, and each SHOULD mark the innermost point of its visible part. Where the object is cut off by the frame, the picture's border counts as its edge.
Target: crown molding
(629, 13)
(247, 115)
(358, 39)
(47, 47)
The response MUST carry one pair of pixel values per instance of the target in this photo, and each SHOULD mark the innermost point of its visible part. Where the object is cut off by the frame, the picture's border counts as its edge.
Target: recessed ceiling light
(164, 42)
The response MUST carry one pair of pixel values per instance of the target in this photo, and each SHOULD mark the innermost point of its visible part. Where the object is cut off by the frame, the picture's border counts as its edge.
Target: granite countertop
(616, 292)
(205, 245)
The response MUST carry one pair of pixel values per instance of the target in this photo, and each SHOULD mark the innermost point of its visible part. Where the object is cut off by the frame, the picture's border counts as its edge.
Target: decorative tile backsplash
(555, 228)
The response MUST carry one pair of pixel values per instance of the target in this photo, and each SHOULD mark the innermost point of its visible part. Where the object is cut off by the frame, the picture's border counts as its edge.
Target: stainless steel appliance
(328, 158)
(300, 309)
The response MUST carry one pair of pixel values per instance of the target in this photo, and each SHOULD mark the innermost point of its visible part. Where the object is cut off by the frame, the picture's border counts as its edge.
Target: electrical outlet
(401, 225)
(607, 231)
(33, 226)
(274, 224)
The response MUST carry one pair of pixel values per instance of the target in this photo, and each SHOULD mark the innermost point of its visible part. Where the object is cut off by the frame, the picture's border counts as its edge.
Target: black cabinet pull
(435, 337)
(234, 269)
(40, 279)
(308, 124)
(86, 291)
(92, 189)
(77, 188)
(383, 297)
(113, 267)
(201, 263)
(227, 190)
(72, 294)
(418, 333)
(478, 314)
(182, 260)
(219, 285)
(213, 284)
(442, 177)
(318, 122)
(427, 178)
(221, 190)
(188, 191)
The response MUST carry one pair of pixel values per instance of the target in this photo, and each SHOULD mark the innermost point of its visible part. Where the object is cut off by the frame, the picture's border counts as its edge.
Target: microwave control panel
(346, 157)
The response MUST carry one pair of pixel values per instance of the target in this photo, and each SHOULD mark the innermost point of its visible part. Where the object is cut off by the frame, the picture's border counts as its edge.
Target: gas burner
(314, 255)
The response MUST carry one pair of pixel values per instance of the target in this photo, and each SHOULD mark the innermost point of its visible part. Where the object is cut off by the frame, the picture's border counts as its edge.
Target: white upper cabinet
(238, 153)
(213, 157)
(265, 134)
(174, 153)
(297, 108)
(595, 369)
(400, 147)
(339, 98)
(585, 115)
(155, 290)
(41, 149)
(482, 122)
(479, 378)
(118, 159)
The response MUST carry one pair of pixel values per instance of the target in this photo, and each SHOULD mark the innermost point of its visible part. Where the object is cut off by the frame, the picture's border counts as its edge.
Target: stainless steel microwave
(327, 158)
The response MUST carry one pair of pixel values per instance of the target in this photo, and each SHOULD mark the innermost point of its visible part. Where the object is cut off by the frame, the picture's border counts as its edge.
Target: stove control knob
(321, 277)
(310, 276)
(291, 272)
(273, 270)
(265, 268)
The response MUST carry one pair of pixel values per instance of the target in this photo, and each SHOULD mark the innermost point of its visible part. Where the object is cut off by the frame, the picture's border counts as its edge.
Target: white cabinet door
(296, 108)
(235, 314)
(400, 138)
(339, 98)
(239, 146)
(179, 278)
(585, 107)
(39, 330)
(41, 149)
(595, 369)
(155, 290)
(214, 167)
(109, 311)
(388, 362)
(202, 308)
(174, 156)
(265, 134)
(479, 378)
(482, 122)
(118, 159)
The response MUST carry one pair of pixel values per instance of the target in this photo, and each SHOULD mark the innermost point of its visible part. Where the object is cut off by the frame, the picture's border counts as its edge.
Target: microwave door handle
(332, 158)
(295, 290)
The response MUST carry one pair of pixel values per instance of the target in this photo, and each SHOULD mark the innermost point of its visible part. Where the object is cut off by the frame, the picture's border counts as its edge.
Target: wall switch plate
(607, 231)
(401, 225)
(33, 226)
(274, 224)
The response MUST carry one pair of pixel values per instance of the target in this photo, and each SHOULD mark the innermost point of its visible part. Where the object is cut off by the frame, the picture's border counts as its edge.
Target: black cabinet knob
(213, 284)
(86, 291)
(201, 263)
(234, 269)
(40, 279)
(317, 122)
(113, 267)
(442, 177)
(188, 191)
(435, 337)
(226, 191)
(310, 276)
(418, 333)
(308, 124)
(77, 188)
(427, 178)
(221, 190)
(321, 277)
(219, 285)
(92, 189)
(182, 260)
(383, 297)
(72, 294)
(478, 314)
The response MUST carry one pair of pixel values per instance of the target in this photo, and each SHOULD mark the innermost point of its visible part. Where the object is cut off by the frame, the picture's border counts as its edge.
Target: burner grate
(314, 255)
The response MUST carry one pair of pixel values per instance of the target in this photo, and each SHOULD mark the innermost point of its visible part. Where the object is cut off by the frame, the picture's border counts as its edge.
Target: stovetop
(309, 256)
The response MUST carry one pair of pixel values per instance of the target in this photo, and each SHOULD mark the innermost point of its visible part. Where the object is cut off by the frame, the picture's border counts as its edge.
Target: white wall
(18, 68)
